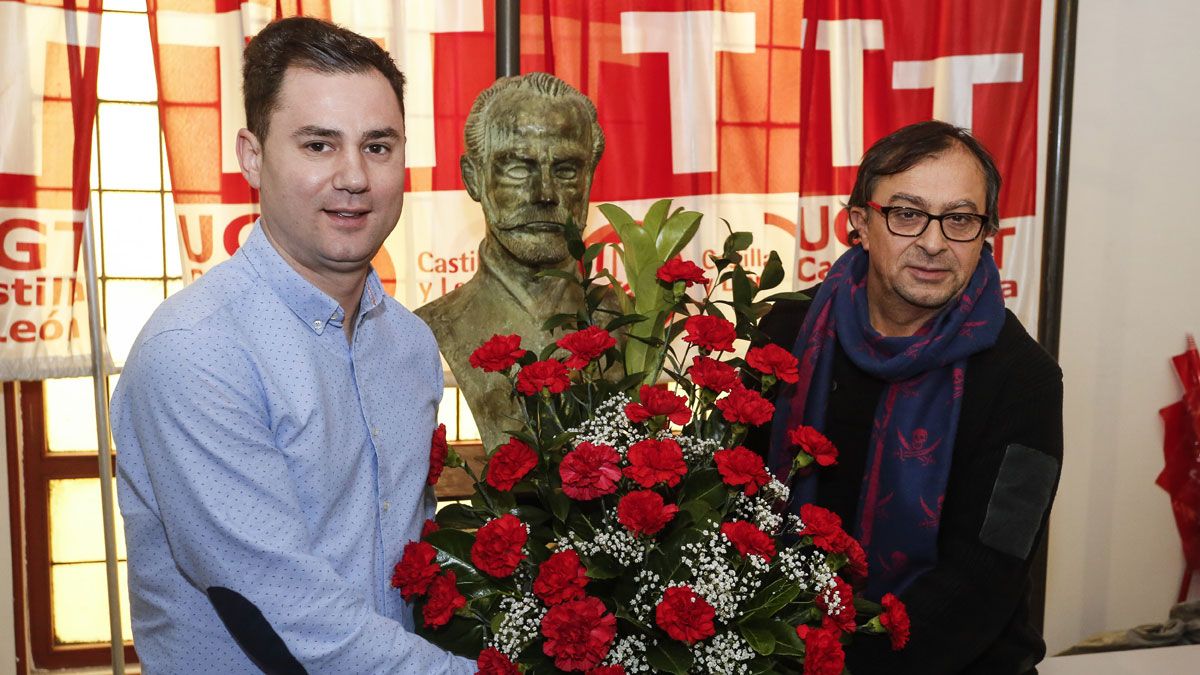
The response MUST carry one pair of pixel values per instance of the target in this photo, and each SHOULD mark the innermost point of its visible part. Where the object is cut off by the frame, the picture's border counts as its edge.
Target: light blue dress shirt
(258, 451)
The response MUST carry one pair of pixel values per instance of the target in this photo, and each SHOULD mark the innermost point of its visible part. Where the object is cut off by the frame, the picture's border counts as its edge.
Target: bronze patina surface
(532, 145)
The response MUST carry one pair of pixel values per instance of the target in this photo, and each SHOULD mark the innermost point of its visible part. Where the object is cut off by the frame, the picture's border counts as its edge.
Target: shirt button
(317, 324)
(386, 505)
(375, 432)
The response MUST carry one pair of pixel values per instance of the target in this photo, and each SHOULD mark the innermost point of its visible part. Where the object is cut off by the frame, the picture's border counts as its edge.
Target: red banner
(754, 111)
(47, 108)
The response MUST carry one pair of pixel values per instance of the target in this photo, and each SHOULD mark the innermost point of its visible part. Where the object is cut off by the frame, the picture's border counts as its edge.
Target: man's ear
(470, 176)
(249, 152)
(858, 222)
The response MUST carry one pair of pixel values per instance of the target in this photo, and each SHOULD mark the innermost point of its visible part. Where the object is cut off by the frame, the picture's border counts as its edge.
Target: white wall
(1132, 290)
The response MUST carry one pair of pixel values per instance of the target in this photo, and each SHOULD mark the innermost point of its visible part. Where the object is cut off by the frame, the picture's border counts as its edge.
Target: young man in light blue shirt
(274, 418)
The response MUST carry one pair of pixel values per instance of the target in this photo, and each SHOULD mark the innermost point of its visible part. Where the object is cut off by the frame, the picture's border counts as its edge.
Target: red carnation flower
(656, 402)
(492, 661)
(543, 375)
(713, 375)
(710, 332)
(748, 539)
(509, 464)
(678, 269)
(823, 525)
(438, 449)
(578, 633)
(655, 461)
(740, 467)
(837, 601)
(856, 557)
(586, 345)
(617, 669)
(497, 354)
(561, 578)
(498, 546)
(745, 406)
(429, 527)
(685, 615)
(416, 570)
(590, 471)
(815, 444)
(823, 652)
(643, 512)
(895, 620)
(774, 360)
(444, 599)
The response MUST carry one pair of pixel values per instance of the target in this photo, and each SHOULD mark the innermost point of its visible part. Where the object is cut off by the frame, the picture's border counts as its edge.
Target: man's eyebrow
(319, 132)
(911, 199)
(377, 134)
(961, 204)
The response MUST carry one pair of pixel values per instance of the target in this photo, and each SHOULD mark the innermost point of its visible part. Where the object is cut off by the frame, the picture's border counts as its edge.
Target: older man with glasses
(946, 413)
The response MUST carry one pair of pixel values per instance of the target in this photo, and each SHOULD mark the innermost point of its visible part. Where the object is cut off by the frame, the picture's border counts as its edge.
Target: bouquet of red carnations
(623, 528)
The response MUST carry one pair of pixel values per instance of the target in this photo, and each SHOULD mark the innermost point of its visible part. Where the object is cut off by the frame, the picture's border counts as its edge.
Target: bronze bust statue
(532, 145)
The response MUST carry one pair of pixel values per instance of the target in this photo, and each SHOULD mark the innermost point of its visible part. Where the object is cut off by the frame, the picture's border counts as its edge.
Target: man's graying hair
(475, 133)
(906, 147)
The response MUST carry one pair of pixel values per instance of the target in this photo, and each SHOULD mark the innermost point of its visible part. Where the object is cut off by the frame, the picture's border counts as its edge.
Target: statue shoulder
(449, 308)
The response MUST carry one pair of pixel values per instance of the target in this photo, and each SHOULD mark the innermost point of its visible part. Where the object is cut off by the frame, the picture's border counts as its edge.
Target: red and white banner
(872, 66)
(47, 107)
(752, 111)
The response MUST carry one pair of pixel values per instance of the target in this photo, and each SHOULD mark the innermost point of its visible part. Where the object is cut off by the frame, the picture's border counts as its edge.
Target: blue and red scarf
(912, 441)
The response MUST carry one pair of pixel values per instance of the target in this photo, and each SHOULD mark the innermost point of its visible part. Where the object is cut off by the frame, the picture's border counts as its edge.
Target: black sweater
(970, 613)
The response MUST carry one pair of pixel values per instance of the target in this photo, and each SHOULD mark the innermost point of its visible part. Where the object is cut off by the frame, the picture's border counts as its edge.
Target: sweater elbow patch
(1022, 493)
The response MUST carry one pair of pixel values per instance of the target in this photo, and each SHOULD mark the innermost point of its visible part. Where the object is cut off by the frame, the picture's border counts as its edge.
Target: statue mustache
(538, 219)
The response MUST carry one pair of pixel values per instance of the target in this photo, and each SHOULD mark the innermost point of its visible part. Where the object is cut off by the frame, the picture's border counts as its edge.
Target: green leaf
(669, 656)
(772, 274)
(655, 216)
(866, 607)
(679, 229)
(638, 245)
(787, 295)
(787, 643)
(558, 321)
(462, 635)
(530, 515)
(458, 516)
(574, 238)
(737, 241)
(702, 513)
(455, 544)
(705, 485)
(770, 599)
(600, 566)
(591, 254)
(759, 636)
(624, 320)
(743, 289)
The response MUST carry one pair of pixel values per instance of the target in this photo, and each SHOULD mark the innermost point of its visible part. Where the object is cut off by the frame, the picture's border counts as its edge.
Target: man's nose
(351, 174)
(545, 191)
(932, 240)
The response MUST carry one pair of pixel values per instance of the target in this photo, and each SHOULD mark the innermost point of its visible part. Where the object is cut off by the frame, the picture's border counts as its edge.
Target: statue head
(532, 145)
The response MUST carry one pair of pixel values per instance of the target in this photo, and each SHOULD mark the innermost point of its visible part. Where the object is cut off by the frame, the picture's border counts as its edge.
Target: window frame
(31, 468)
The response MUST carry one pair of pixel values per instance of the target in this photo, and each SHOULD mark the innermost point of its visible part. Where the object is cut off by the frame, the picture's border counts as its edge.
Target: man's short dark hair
(312, 44)
(906, 147)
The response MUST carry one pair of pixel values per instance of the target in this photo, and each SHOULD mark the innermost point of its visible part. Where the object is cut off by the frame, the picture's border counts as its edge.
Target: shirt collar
(312, 305)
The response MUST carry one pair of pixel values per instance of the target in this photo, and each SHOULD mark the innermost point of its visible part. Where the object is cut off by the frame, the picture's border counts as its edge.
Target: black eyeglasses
(905, 221)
